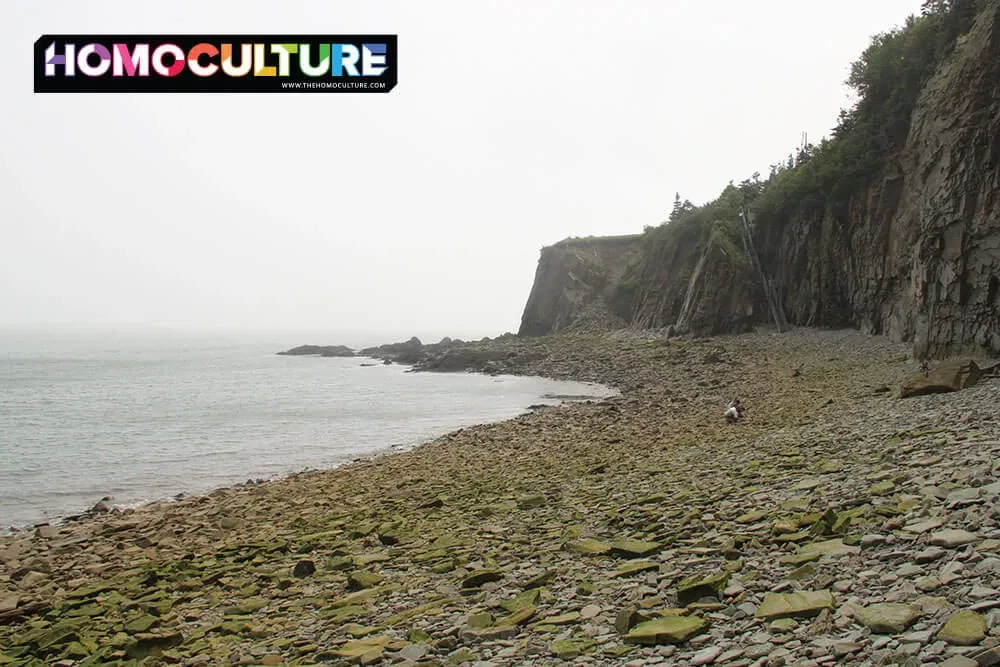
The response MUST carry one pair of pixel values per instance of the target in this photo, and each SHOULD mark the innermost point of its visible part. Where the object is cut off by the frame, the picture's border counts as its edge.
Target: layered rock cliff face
(575, 282)
(915, 255)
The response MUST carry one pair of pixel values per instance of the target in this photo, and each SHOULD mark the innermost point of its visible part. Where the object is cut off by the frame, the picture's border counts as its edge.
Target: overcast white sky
(515, 124)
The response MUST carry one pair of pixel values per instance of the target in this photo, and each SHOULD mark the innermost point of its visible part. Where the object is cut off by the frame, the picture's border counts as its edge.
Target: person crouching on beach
(734, 411)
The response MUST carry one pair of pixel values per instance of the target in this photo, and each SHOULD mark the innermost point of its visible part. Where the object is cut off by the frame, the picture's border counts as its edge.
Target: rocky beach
(837, 524)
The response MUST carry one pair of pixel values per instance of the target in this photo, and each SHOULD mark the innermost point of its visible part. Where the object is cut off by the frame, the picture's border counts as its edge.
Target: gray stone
(730, 655)
(758, 651)
(706, 656)
(888, 618)
(840, 649)
(929, 554)
(988, 565)
(923, 526)
(982, 592)
(952, 538)
(909, 570)
(951, 572)
(986, 657)
(921, 636)
(414, 652)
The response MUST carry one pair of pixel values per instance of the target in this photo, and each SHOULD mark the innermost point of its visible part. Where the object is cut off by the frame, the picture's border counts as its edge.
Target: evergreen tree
(677, 207)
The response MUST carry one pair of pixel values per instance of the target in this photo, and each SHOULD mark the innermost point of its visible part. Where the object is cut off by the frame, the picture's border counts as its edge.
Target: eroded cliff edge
(911, 250)
(575, 282)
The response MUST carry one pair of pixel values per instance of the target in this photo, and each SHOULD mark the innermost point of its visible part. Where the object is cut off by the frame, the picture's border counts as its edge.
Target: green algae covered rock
(358, 648)
(534, 500)
(888, 618)
(752, 517)
(519, 617)
(827, 548)
(882, 488)
(480, 621)
(699, 586)
(148, 644)
(521, 600)
(562, 619)
(628, 618)
(359, 581)
(567, 649)
(965, 628)
(589, 547)
(634, 548)
(667, 630)
(803, 604)
(141, 624)
(480, 577)
(634, 567)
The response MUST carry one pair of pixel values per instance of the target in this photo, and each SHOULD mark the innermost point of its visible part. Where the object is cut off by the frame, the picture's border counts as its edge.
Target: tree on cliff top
(681, 208)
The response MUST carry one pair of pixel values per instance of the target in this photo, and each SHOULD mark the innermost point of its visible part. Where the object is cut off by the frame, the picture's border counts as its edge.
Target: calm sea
(144, 416)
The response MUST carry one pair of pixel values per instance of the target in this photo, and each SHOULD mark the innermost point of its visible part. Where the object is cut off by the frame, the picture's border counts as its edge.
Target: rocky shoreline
(839, 524)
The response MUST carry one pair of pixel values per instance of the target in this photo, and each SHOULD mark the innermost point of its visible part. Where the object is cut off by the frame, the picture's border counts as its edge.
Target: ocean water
(143, 417)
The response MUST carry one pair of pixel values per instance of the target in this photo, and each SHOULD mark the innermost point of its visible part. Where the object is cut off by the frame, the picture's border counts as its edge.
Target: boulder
(945, 377)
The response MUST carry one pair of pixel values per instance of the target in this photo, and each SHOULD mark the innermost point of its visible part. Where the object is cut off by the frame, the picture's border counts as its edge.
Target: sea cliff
(907, 244)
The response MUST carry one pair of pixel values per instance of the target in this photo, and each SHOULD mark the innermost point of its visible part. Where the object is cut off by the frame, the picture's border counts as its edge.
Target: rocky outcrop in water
(319, 350)
(407, 352)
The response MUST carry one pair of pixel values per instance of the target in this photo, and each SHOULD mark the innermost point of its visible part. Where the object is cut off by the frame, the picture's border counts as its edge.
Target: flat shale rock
(634, 548)
(965, 628)
(803, 604)
(888, 618)
(952, 538)
(589, 547)
(696, 587)
(667, 630)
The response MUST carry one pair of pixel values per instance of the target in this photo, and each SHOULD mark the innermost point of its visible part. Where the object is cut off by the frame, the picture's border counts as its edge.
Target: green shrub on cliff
(728, 236)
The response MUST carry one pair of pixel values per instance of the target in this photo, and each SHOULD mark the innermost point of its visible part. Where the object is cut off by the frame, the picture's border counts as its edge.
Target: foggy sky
(514, 124)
